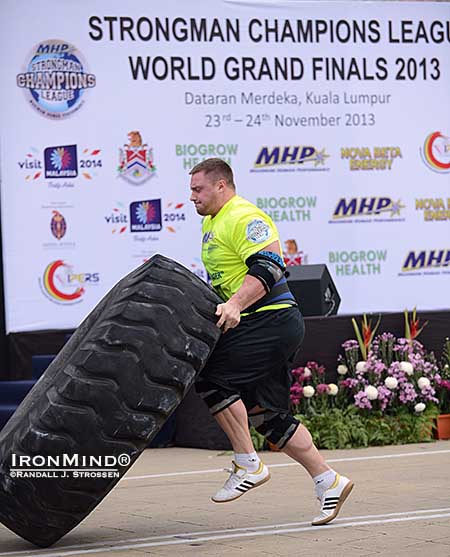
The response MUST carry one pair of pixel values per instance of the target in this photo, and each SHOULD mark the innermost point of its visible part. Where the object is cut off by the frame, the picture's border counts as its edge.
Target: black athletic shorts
(254, 359)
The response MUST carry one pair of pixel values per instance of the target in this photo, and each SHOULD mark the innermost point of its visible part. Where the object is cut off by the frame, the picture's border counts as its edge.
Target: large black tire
(109, 391)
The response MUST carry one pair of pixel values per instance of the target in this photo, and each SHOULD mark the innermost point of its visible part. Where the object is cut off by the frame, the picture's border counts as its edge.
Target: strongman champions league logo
(55, 79)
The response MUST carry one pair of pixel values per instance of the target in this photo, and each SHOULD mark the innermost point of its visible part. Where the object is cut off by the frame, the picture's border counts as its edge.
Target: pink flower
(322, 388)
(361, 401)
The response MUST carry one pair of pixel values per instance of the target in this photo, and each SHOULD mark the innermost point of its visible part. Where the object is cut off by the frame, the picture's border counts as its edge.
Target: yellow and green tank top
(238, 231)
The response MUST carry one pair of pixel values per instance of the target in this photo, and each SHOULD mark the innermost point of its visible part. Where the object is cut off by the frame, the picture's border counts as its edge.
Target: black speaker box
(314, 289)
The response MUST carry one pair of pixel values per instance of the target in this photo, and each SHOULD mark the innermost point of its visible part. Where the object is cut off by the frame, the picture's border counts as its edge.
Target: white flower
(306, 372)
(419, 407)
(391, 383)
(361, 366)
(332, 389)
(371, 392)
(423, 382)
(407, 367)
(308, 391)
(342, 370)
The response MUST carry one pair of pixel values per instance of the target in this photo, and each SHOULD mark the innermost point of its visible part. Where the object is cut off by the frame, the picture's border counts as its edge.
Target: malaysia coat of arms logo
(292, 255)
(136, 160)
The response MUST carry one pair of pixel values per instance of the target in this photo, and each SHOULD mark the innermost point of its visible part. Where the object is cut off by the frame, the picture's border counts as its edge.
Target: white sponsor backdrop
(334, 116)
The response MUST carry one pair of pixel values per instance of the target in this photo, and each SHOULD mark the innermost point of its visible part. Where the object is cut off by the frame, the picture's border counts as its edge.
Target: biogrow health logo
(426, 262)
(193, 153)
(55, 79)
(62, 285)
(436, 152)
(288, 209)
(355, 263)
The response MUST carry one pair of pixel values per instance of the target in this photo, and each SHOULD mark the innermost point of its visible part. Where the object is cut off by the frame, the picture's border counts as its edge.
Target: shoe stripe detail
(237, 466)
(260, 468)
(242, 490)
(336, 481)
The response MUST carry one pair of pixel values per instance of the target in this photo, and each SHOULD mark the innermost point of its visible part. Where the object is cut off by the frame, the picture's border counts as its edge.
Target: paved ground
(400, 507)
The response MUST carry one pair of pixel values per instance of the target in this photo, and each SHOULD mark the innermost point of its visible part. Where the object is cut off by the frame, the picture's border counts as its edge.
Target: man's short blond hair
(217, 169)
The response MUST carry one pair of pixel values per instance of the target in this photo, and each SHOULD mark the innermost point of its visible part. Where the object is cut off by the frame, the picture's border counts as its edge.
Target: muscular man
(247, 378)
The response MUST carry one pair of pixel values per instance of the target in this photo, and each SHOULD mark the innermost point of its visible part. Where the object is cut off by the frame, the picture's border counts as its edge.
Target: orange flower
(412, 326)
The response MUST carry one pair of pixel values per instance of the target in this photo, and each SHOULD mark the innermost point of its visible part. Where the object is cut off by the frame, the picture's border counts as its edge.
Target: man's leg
(301, 448)
(234, 422)
(294, 439)
(331, 488)
(248, 471)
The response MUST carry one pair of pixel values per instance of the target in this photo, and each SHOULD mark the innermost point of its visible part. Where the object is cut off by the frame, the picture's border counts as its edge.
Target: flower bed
(389, 391)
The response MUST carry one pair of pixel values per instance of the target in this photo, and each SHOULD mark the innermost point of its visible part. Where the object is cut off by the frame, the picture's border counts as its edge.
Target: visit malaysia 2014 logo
(145, 216)
(436, 152)
(62, 285)
(60, 165)
(61, 162)
(55, 79)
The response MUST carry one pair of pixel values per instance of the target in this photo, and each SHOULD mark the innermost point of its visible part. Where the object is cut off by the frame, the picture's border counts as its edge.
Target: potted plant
(442, 430)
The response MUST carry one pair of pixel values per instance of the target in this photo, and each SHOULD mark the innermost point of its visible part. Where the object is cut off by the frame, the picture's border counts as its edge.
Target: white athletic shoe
(332, 500)
(241, 481)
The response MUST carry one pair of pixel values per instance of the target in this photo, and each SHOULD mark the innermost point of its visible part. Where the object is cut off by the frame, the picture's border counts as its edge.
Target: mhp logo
(295, 156)
(366, 206)
(426, 259)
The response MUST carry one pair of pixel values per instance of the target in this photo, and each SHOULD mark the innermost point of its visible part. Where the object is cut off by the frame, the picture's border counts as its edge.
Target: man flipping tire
(247, 378)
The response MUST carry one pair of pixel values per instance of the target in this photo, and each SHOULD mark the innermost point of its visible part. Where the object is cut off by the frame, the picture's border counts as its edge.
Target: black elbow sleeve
(267, 267)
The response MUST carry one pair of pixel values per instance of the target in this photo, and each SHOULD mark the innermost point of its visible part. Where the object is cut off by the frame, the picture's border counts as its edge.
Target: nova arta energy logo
(434, 209)
(55, 79)
(62, 285)
(436, 152)
(376, 158)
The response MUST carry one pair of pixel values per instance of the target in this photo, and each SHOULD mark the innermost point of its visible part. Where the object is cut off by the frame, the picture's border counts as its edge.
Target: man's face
(205, 194)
